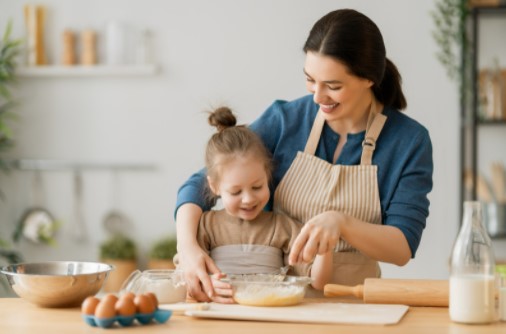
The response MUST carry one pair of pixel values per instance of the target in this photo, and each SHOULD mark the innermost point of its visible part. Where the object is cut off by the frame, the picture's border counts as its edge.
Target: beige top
(219, 229)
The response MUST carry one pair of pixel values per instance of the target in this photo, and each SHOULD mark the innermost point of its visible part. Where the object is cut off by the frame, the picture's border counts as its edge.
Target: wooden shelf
(491, 122)
(60, 165)
(86, 71)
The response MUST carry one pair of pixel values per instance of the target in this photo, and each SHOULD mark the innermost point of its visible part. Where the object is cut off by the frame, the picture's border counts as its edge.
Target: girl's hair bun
(222, 118)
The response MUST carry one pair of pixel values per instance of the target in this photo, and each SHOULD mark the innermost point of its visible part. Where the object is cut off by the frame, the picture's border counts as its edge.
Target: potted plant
(121, 252)
(162, 253)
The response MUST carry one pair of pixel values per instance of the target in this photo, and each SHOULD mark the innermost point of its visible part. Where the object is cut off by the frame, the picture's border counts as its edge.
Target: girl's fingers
(223, 292)
(223, 300)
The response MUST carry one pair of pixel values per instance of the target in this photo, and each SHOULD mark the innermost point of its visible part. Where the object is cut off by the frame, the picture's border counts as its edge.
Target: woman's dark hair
(353, 39)
(232, 141)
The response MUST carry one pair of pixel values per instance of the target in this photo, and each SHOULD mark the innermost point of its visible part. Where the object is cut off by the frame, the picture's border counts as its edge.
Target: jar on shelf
(491, 93)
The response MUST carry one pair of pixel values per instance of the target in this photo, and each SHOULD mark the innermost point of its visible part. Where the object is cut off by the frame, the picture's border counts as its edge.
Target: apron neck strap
(375, 124)
(314, 136)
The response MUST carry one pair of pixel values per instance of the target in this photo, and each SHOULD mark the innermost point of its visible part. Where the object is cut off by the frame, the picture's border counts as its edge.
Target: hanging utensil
(79, 229)
(37, 224)
(115, 221)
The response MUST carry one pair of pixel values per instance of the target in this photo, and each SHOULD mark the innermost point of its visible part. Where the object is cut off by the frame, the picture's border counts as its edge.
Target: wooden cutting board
(330, 313)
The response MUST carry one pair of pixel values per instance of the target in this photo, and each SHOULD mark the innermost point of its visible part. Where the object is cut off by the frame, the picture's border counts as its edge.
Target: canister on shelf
(89, 52)
(69, 43)
(35, 18)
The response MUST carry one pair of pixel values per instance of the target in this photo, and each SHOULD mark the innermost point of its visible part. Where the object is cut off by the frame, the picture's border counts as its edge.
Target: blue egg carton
(160, 316)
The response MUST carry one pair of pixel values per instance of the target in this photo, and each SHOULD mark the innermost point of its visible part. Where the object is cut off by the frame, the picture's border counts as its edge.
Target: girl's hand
(196, 265)
(319, 235)
(222, 291)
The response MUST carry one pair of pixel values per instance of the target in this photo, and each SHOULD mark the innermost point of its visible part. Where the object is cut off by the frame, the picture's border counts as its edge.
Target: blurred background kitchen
(123, 131)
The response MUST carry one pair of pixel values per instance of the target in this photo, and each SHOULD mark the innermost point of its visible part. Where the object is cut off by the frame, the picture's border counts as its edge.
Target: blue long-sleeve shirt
(403, 155)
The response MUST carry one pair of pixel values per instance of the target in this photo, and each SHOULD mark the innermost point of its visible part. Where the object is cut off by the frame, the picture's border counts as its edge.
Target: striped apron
(312, 186)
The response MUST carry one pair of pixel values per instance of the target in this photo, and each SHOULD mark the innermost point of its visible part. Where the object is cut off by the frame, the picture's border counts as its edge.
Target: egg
(110, 297)
(153, 298)
(105, 309)
(125, 306)
(144, 304)
(89, 305)
(129, 294)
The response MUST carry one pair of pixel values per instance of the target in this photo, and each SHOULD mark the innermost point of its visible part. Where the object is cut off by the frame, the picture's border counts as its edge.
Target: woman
(348, 163)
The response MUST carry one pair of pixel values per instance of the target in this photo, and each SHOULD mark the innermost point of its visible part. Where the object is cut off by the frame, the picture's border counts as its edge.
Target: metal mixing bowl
(56, 283)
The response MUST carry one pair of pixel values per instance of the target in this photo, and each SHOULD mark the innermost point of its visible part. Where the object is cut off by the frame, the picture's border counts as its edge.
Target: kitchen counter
(19, 316)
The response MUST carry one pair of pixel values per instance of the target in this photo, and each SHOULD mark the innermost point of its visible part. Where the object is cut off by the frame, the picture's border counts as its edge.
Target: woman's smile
(328, 108)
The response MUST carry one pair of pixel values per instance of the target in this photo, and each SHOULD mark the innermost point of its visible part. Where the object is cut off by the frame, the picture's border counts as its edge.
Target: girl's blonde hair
(232, 141)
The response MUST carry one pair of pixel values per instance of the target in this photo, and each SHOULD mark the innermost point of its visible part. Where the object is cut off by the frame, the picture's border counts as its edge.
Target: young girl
(242, 238)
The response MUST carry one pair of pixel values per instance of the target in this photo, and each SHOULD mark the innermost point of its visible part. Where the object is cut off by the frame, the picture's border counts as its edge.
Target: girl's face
(243, 186)
(341, 95)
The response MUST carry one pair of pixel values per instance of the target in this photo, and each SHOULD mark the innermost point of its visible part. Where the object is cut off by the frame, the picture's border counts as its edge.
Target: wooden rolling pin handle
(336, 290)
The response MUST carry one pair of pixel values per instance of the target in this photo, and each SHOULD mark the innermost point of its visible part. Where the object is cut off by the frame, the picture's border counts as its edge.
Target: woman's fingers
(318, 236)
(295, 255)
(311, 248)
(323, 248)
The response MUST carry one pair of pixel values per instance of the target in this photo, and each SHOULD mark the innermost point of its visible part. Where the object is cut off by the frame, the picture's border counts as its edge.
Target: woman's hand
(222, 291)
(319, 235)
(196, 265)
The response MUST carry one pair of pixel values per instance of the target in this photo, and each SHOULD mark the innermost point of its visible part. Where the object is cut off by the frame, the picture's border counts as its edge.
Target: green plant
(164, 249)
(455, 51)
(9, 50)
(118, 247)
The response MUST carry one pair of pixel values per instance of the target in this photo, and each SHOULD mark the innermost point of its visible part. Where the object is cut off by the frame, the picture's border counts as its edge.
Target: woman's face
(341, 95)
(243, 186)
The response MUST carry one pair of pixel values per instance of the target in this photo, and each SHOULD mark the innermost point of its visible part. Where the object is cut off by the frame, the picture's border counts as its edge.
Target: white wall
(243, 53)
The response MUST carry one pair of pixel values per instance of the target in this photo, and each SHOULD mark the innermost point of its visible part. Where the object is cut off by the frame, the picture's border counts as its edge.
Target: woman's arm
(320, 234)
(195, 263)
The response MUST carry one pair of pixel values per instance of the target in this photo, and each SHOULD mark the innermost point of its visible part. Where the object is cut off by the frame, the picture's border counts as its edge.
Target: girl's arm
(193, 260)
(321, 271)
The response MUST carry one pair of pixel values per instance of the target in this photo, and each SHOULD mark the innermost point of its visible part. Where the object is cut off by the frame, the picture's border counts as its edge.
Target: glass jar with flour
(168, 285)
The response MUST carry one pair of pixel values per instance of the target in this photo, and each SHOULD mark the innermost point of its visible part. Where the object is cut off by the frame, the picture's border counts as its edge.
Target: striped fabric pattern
(316, 186)
(312, 186)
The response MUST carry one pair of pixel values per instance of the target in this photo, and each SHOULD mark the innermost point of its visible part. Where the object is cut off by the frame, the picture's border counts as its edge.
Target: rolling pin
(395, 291)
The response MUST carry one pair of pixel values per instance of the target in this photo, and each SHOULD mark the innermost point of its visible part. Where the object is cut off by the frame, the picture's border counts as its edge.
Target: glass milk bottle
(472, 280)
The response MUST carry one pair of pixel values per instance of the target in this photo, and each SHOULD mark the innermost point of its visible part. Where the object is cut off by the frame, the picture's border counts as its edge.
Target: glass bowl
(268, 289)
